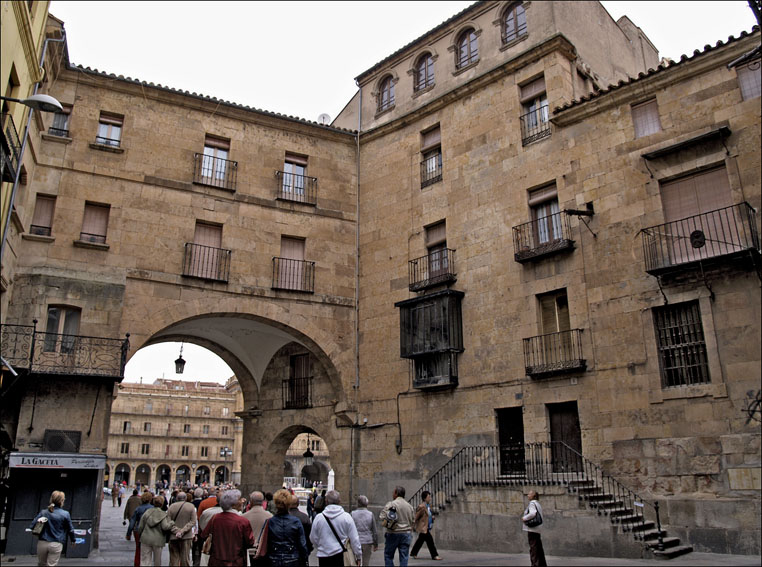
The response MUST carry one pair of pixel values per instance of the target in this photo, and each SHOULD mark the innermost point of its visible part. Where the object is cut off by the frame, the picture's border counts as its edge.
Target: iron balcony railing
(206, 262)
(214, 171)
(431, 170)
(295, 275)
(38, 352)
(95, 238)
(541, 237)
(39, 230)
(113, 142)
(297, 393)
(553, 463)
(435, 268)
(535, 125)
(554, 353)
(11, 148)
(62, 132)
(730, 231)
(299, 188)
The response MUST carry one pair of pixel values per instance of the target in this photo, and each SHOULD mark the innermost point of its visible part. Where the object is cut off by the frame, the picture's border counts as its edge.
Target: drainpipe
(23, 146)
(356, 386)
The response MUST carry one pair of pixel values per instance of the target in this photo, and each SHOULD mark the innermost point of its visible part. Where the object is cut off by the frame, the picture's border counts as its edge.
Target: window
(126, 427)
(207, 410)
(225, 412)
(145, 448)
(147, 427)
(424, 73)
(436, 245)
(292, 273)
(315, 445)
(645, 118)
(60, 126)
(61, 329)
(224, 430)
(95, 223)
(467, 51)
(185, 451)
(205, 429)
(214, 165)
(386, 94)
(554, 312)
(109, 129)
(297, 389)
(294, 177)
(682, 349)
(167, 450)
(514, 23)
(149, 407)
(431, 150)
(204, 451)
(207, 259)
(750, 79)
(186, 409)
(124, 449)
(546, 215)
(186, 428)
(534, 103)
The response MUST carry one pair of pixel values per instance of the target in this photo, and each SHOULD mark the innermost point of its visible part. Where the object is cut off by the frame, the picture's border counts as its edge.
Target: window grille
(681, 344)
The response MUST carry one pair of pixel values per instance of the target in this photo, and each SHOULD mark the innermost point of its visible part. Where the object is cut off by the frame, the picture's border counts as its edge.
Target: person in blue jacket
(57, 528)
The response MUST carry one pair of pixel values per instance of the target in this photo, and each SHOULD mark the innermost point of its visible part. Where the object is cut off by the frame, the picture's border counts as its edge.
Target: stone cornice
(21, 14)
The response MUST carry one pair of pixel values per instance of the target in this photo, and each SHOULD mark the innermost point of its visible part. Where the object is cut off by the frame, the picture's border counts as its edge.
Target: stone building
(176, 431)
(525, 254)
(307, 460)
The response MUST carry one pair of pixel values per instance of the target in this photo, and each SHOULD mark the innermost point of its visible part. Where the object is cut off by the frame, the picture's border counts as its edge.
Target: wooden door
(510, 431)
(565, 437)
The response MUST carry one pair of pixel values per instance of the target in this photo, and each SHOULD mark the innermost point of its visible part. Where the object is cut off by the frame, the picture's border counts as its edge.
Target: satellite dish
(324, 118)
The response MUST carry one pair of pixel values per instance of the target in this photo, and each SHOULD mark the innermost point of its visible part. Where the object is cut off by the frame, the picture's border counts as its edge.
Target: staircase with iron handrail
(544, 464)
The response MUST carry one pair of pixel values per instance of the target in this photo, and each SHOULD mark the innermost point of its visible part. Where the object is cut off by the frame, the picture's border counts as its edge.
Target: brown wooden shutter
(215, 142)
(296, 159)
(431, 139)
(95, 221)
(292, 248)
(696, 194)
(542, 194)
(532, 90)
(436, 234)
(43, 211)
(645, 118)
(208, 235)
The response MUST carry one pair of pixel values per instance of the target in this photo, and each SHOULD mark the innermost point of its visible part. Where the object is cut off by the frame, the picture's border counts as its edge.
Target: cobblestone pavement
(115, 550)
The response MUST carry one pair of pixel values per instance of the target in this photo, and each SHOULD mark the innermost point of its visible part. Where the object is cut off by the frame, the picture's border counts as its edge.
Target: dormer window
(386, 94)
(424, 72)
(467, 49)
(514, 23)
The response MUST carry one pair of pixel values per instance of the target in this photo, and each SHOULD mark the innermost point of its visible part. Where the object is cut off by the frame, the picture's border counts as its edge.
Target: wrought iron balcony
(435, 268)
(11, 149)
(39, 230)
(718, 235)
(214, 171)
(542, 237)
(294, 275)
(297, 393)
(535, 125)
(62, 132)
(113, 142)
(554, 353)
(299, 188)
(206, 262)
(38, 352)
(431, 170)
(94, 238)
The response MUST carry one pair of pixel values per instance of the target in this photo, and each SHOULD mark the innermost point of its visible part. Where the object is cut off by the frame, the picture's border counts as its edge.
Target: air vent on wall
(61, 441)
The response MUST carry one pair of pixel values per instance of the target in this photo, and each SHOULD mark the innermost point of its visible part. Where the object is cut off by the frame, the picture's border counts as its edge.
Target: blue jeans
(396, 541)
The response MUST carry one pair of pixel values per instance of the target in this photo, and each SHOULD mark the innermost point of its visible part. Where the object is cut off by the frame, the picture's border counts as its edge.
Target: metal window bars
(297, 393)
(431, 169)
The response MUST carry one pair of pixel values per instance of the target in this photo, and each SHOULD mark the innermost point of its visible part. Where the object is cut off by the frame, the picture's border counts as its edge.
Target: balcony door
(692, 207)
(546, 218)
(436, 244)
(554, 319)
(62, 329)
(205, 260)
(291, 267)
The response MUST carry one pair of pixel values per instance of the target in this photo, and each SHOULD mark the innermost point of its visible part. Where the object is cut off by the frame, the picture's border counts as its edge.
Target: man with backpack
(397, 518)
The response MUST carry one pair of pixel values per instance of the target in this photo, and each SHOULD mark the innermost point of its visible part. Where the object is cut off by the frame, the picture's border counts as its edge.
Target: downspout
(356, 386)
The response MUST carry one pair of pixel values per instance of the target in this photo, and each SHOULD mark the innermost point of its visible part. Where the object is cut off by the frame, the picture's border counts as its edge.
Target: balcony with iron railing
(712, 237)
(112, 142)
(214, 171)
(94, 238)
(38, 352)
(206, 262)
(535, 125)
(11, 148)
(542, 237)
(297, 393)
(431, 170)
(554, 353)
(61, 133)
(298, 188)
(39, 230)
(293, 275)
(435, 268)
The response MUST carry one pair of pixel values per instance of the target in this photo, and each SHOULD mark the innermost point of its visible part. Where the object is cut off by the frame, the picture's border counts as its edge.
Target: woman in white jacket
(533, 510)
(329, 543)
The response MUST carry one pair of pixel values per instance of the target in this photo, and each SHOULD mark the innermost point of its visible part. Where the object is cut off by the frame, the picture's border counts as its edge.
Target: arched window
(386, 94)
(514, 22)
(424, 72)
(468, 49)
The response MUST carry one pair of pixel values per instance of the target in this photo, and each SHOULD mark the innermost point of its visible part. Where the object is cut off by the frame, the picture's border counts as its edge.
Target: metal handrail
(294, 275)
(214, 171)
(541, 236)
(113, 142)
(299, 188)
(535, 125)
(554, 352)
(61, 132)
(206, 262)
(433, 268)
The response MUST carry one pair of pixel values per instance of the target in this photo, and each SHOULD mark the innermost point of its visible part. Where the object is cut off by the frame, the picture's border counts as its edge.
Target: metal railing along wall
(713, 234)
(434, 268)
(299, 188)
(297, 393)
(11, 148)
(296, 275)
(535, 125)
(554, 353)
(549, 463)
(51, 353)
(206, 262)
(214, 171)
(541, 236)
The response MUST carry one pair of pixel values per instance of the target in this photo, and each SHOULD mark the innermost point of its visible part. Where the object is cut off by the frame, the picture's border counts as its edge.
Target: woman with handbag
(424, 521)
(532, 519)
(55, 527)
(155, 528)
(286, 543)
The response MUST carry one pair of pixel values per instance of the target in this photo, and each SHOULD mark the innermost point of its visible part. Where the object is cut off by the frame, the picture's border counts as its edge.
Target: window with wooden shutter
(645, 118)
(42, 220)
(535, 123)
(109, 129)
(207, 254)
(291, 270)
(95, 223)
(750, 79)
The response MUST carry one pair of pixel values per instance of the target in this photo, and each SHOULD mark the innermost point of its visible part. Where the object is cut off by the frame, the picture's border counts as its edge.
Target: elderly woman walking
(366, 528)
(230, 532)
(57, 528)
(154, 526)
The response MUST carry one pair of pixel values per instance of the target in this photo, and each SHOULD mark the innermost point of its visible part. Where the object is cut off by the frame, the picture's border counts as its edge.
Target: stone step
(633, 524)
(667, 541)
(653, 534)
(673, 552)
(620, 512)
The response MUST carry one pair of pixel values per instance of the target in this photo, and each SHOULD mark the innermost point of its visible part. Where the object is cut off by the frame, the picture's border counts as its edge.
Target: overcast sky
(300, 59)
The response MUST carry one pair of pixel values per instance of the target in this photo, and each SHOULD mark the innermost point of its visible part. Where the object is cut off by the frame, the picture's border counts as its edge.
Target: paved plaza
(115, 550)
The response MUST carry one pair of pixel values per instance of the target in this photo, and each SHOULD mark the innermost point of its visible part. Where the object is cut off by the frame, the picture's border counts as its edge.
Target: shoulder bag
(536, 521)
(349, 555)
(40, 525)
